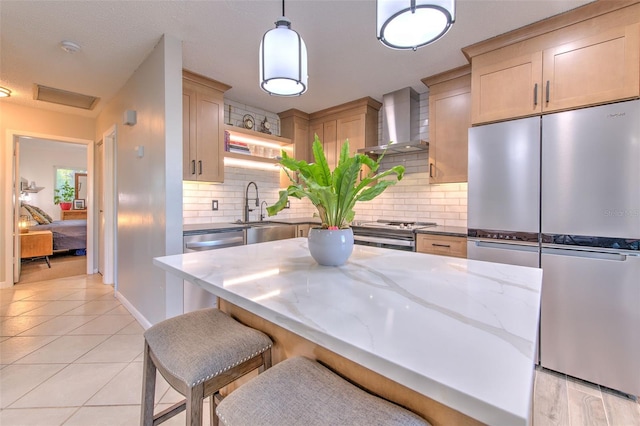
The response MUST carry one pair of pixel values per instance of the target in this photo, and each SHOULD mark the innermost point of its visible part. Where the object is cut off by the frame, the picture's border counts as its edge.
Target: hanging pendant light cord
(283, 8)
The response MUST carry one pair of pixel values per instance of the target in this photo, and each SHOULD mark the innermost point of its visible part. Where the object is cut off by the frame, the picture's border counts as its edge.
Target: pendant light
(283, 60)
(410, 24)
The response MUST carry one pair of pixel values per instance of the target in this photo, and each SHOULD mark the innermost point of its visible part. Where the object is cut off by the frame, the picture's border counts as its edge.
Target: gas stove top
(393, 234)
(394, 225)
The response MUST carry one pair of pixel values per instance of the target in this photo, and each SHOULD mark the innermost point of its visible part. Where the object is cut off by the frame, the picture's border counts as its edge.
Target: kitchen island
(454, 340)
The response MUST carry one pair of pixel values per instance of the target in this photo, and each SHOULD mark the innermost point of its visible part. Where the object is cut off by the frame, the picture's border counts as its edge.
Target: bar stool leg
(194, 399)
(148, 388)
(213, 402)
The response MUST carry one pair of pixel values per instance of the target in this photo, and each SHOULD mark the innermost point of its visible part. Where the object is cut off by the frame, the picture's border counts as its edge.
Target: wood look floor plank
(585, 409)
(619, 410)
(582, 386)
(550, 404)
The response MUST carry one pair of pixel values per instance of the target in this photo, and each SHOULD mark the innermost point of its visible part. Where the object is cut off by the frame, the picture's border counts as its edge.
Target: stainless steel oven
(395, 235)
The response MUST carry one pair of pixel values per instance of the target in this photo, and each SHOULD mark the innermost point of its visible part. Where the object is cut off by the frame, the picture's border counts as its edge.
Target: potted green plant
(334, 194)
(64, 195)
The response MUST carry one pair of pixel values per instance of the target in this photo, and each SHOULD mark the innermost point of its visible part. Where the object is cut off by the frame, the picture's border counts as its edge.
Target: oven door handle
(379, 240)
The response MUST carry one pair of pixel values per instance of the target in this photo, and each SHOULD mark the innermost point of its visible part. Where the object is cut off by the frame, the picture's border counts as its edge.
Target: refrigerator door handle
(505, 245)
(619, 257)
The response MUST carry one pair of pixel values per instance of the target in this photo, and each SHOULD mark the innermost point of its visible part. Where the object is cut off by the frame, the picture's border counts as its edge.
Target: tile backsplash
(413, 198)
(197, 197)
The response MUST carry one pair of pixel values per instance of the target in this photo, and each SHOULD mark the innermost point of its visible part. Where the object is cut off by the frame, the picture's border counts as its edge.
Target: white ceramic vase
(330, 247)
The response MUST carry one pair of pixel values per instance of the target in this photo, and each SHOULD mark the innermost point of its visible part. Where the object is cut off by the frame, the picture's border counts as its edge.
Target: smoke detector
(69, 46)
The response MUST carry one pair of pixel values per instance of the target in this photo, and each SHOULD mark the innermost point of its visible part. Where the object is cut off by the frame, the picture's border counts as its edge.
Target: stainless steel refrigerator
(504, 192)
(589, 224)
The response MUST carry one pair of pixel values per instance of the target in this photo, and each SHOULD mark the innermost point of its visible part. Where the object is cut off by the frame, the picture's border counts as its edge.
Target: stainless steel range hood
(400, 123)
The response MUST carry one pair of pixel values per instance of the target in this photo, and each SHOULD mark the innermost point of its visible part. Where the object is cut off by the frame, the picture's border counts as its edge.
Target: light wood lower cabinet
(302, 230)
(441, 244)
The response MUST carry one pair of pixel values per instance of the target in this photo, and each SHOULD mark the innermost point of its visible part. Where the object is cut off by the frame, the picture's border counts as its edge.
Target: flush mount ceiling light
(283, 60)
(410, 24)
(69, 46)
(4, 92)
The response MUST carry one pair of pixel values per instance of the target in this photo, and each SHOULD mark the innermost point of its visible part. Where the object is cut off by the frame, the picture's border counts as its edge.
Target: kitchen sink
(260, 232)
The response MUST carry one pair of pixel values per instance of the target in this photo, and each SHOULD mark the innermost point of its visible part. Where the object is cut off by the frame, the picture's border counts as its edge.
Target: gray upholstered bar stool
(198, 353)
(298, 391)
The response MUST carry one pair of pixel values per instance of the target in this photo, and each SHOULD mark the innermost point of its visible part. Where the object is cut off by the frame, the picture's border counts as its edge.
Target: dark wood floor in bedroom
(63, 264)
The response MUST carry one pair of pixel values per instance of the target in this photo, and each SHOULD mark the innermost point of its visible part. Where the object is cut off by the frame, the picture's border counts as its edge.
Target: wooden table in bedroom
(36, 244)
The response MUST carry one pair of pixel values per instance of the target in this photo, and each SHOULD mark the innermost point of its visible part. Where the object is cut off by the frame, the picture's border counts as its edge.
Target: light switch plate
(214, 204)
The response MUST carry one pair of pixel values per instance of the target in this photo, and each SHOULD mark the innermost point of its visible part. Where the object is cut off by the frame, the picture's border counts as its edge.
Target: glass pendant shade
(283, 61)
(410, 24)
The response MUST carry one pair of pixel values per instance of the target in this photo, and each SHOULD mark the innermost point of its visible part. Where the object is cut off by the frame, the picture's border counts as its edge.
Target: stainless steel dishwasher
(200, 240)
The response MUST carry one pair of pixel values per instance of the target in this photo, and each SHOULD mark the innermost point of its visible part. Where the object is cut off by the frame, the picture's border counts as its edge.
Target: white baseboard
(133, 311)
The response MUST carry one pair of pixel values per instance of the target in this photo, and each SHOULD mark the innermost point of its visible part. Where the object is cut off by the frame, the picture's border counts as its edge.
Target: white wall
(149, 189)
(37, 162)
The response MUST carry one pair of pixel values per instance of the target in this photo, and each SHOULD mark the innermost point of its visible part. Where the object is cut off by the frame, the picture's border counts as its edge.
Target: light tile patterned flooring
(71, 354)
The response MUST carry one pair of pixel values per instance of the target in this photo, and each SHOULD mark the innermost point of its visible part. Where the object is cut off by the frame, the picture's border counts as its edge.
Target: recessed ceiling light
(4, 92)
(69, 46)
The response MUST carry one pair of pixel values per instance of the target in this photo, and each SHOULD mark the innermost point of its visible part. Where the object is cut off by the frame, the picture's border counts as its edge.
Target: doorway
(55, 151)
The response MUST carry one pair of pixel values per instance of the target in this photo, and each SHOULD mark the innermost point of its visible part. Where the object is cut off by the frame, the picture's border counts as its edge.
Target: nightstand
(36, 244)
(73, 214)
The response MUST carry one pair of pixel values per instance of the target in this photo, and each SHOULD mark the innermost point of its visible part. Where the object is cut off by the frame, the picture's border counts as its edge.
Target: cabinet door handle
(535, 94)
(547, 95)
(199, 167)
(431, 170)
(300, 231)
(441, 245)
(193, 167)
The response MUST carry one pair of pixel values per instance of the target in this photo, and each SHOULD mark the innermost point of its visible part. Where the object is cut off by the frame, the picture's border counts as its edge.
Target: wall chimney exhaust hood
(400, 124)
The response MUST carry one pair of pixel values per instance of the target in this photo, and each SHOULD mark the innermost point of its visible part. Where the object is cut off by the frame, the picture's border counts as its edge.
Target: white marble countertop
(459, 331)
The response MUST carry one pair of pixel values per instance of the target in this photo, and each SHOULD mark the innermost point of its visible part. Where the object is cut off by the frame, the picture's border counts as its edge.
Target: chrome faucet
(262, 216)
(246, 201)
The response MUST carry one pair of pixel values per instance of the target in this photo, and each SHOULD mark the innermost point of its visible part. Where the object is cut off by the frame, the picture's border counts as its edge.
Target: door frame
(12, 192)
(108, 218)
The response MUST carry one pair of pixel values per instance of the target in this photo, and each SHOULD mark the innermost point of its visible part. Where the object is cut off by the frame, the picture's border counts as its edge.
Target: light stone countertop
(452, 231)
(459, 331)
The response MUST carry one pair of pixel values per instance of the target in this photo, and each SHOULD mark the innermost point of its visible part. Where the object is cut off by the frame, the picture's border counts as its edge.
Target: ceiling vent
(62, 97)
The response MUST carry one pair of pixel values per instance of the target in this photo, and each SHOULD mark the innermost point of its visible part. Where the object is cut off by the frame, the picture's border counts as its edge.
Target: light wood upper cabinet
(356, 121)
(508, 88)
(449, 122)
(597, 69)
(294, 124)
(590, 62)
(202, 128)
(351, 128)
